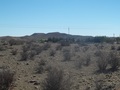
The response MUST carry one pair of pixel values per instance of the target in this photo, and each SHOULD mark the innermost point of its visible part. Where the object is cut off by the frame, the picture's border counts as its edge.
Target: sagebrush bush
(76, 48)
(6, 79)
(118, 48)
(46, 46)
(103, 85)
(79, 62)
(97, 53)
(56, 80)
(15, 42)
(87, 60)
(114, 61)
(64, 43)
(99, 85)
(2, 48)
(31, 54)
(25, 47)
(66, 55)
(40, 68)
(58, 47)
(85, 49)
(29, 51)
(102, 61)
(24, 56)
(113, 47)
(14, 51)
(52, 52)
(37, 48)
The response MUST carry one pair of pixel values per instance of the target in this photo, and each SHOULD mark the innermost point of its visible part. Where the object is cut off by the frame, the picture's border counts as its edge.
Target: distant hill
(56, 36)
(37, 36)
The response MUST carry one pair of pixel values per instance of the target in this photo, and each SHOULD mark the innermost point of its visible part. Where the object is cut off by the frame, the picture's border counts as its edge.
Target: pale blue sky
(83, 17)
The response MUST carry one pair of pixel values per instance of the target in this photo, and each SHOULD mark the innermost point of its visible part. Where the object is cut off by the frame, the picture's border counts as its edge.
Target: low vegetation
(60, 64)
(6, 79)
(56, 80)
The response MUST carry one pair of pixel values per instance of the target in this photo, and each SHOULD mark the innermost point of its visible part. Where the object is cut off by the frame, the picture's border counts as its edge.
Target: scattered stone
(34, 82)
(27, 63)
(36, 87)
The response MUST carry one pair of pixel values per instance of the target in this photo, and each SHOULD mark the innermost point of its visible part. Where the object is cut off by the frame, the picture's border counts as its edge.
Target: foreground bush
(56, 80)
(40, 68)
(6, 79)
(66, 55)
(102, 61)
(24, 56)
(114, 61)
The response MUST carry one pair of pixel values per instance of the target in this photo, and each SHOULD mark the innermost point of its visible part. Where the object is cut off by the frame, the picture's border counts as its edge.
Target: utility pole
(68, 30)
(114, 35)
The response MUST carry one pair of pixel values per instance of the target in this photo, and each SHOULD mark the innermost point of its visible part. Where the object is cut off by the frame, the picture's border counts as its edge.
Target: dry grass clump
(15, 42)
(24, 56)
(102, 61)
(6, 79)
(56, 80)
(76, 48)
(46, 46)
(83, 60)
(79, 62)
(29, 51)
(87, 60)
(102, 84)
(66, 55)
(41, 66)
(114, 61)
(2, 47)
(14, 51)
(118, 48)
(108, 58)
(52, 52)
(59, 47)
(113, 47)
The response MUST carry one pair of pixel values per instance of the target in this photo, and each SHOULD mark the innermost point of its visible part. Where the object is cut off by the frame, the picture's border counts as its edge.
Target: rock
(27, 63)
(36, 87)
(34, 82)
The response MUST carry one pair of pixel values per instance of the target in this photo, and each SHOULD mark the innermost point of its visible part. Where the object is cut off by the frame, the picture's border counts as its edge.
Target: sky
(82, 17)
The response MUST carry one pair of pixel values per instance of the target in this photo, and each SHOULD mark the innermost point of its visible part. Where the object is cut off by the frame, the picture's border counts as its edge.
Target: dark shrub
(79, 62)
(64, 43)
(97, 53)
(113, 48)
(76, 48)
(87, 60)
(6, 79)
(118, 48)
(37, 48)
(46, 46)
(41, 66)
(66, 55)
(14, 51)
(56, 80)
(102, 61)
(24, 56)
(31, 54)
(58, 47)
(52, 52)
(114, 61)
(25, 47)
(103, 85)
(2, 48)
(99, 85)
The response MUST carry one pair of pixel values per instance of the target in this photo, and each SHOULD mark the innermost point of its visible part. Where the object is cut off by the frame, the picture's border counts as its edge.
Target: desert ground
(32, 61)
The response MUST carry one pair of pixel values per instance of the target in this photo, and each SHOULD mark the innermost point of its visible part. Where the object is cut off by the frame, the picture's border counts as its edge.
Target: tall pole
(68, 30)
(114, 35)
